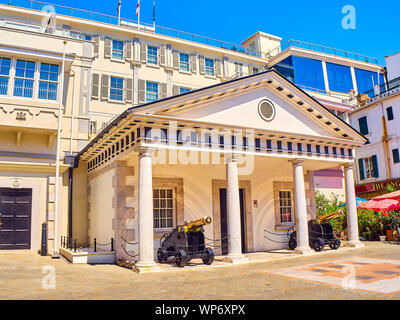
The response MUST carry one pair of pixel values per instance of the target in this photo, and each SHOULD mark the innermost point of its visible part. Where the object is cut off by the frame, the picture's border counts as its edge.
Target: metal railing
(109, 19)
(320, 48)
(385, 88)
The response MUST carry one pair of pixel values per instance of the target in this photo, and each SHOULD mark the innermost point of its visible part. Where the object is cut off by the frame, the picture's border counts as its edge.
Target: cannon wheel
(208, 256)
(335, 244)
(292, 243)
(319, 245)
(162, 255)
(181, 258)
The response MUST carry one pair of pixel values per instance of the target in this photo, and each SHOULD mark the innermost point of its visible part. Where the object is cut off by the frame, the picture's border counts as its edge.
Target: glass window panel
(116, 88)
(366, 79)
(151, 91)
(152, 54)
(308, 73)
(117, 50)
(339, 77)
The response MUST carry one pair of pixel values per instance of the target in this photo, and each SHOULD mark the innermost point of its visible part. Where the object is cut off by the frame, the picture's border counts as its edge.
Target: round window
(266, 110)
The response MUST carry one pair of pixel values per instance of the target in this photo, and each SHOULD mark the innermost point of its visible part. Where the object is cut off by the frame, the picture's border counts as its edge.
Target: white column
(351, 207)
(145, 213)
(235, 255)
(301, 208)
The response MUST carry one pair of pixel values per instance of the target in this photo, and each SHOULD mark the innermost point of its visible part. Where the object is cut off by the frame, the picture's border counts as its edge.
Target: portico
(239, 152)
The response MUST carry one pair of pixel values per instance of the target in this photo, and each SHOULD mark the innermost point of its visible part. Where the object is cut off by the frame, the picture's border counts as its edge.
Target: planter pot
(382, 238)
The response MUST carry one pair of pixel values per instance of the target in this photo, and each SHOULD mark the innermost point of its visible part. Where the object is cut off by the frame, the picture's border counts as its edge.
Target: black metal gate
(15, 218)
(224, 220)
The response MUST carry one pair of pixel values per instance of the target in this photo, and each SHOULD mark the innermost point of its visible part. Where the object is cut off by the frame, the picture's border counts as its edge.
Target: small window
(117, 50)
(5, 64)
(116, 89)
(48, 81)
(299, 147)
(209, 67)
(363, 125)
(318, 149)
(371, 167)
(285, 206)
(389, 112)
(152, 54)
(163, 207)
(326, 150)
(309, 148)
(93, 127)
(183, 61)
(396, 158)
(151, 91)
(24, 75)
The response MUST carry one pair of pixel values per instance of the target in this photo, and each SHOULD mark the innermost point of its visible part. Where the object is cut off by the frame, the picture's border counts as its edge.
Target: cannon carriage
(186, 242)
(320, 233)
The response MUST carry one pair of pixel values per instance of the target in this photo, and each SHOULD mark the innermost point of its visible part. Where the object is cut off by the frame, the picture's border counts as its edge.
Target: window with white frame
(48, 81)
(24, 78)
(116, 88)
(285, 206)
(151, 91)
(369, 168)
(118, 49)
(5, 66)
(209, 67)
(152, 54)
(163, 208)
(93, 127)
(183, 61)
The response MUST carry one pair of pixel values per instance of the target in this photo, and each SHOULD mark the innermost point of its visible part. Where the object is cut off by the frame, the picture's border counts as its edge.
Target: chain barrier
(128, 242)
(276, 234)
(133, 256)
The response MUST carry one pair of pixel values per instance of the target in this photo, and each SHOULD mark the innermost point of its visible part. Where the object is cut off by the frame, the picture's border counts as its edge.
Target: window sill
(210, 77)
(117, 60)
(152, 65)
(116, 101)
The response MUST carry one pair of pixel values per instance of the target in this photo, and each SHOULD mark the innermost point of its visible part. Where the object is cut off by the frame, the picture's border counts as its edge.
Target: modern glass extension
(308, 74)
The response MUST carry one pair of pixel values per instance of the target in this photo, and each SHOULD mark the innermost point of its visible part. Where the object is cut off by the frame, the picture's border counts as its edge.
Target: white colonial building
(242, 152)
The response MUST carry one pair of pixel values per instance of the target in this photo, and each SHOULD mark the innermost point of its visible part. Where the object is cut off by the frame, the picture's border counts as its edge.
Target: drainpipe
(57, 184)
(70, 186)
(385, 140)
(72, 113)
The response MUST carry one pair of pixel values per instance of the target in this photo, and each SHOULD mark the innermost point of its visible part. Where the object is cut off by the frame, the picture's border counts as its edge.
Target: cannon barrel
(196, 224)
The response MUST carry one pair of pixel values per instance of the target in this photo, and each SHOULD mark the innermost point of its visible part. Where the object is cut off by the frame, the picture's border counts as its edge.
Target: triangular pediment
(237, 103)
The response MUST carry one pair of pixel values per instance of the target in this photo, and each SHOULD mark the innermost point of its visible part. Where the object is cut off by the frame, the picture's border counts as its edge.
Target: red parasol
(382, 205)
(393, 195)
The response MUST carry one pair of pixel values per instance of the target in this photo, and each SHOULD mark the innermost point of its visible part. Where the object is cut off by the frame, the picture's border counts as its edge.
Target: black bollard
(43, 251)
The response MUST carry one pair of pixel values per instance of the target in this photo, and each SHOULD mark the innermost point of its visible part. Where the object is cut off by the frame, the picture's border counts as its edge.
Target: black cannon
(186, 242)
(320, 233)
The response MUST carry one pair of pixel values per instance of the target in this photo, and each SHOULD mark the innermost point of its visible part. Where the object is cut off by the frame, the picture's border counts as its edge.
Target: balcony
(319, 48)
(113, 20)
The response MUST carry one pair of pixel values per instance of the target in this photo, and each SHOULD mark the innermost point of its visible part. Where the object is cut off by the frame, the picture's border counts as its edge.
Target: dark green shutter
(363, 125)
(396, 157)
(361, 169)
(375, 166)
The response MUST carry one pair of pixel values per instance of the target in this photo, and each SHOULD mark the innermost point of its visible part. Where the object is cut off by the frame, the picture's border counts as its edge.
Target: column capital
(146, 152)
(297, 162)
(348, 165)
(230, 157)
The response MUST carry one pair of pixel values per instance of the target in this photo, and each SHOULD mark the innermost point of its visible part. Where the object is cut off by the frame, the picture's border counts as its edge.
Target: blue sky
(319, 22)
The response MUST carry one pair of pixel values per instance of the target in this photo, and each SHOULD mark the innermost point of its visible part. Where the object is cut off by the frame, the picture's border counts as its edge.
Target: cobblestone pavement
(21, 277)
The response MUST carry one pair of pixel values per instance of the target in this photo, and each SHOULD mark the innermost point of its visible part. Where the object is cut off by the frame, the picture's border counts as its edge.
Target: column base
(144, 267)
(236, 259)
(306, 250)
(353, 244)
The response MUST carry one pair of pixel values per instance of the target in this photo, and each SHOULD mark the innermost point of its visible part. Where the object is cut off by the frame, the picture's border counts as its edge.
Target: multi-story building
(110, 67)
(377, 118)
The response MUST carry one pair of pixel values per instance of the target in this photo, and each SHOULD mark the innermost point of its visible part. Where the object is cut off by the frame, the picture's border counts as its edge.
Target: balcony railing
(322, 49)
(385, 88)
(109, 19)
